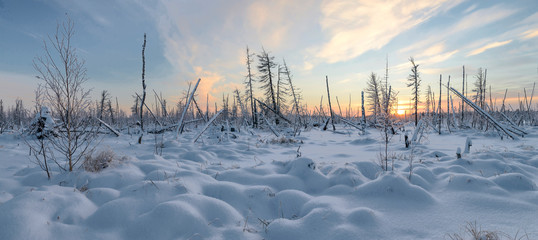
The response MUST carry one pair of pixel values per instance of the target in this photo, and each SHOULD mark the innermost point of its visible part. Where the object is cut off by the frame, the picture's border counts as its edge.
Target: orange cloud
(530, 34)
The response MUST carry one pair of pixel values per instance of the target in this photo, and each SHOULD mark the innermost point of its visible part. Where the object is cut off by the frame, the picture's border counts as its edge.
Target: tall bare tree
(64, 74)
(281, 90)
(2, 116)
(266, 77)
(295, 92)
(414, 83)
(249, 87)
(373, 91)
(144, 91)
(479, 88)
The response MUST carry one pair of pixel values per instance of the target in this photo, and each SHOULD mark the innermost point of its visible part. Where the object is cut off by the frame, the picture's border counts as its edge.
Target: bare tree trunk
(363, 112)
(440, 110)
(463, 91)
(330, 107)
(144, 91)
(180, 124)
(448, 104)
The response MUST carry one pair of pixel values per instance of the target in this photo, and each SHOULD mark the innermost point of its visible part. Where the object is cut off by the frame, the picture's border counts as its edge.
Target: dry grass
(101, 160)
(474, 232)
(283, 140)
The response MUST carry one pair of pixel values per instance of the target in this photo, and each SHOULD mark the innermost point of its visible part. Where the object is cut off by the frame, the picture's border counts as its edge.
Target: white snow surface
(253, 188)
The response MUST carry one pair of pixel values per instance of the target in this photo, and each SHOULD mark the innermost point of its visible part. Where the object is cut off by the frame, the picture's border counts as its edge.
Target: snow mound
(393, 188)
(249, 188)
(515, 182)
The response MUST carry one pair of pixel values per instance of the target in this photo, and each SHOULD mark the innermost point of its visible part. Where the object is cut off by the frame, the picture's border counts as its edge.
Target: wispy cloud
(354, 27)
(488, 46)
(473, 20)
(482, 17)
(440, 57)
(530, 34)
(432, 50)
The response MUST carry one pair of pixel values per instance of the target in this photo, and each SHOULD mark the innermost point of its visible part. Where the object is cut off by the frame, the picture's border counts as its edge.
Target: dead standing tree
(294, 92)
(414, 82)
(249, 92)
(266, 78)
(373, 90)
(144, 91)
(64, 74)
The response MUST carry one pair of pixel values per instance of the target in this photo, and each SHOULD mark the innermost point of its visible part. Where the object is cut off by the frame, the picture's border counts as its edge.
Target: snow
(258, 187)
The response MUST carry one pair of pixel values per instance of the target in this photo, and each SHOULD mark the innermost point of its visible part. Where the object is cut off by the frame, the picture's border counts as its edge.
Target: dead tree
(363, 113)
(373, 89)
(143, 99)
(330, 107)
(294, 92)
(463, 91)
(414, 82)
(265, 67)
(281, 91)
(448, 105)
(500, 128)
(104, 97)
(249, 89)
(439, 115)
(180, 123)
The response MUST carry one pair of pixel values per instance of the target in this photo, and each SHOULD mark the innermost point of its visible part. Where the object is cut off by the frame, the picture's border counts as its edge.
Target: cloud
(482, 17)
(488, 46)
(354, 27)
(471, 21)
(207, 86)
(308, 66)
(440, 57)
(530, 34)
(470, 9)
(433, 50)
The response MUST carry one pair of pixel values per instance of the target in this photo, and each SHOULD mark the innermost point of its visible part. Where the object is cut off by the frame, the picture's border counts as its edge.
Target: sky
(345, 40)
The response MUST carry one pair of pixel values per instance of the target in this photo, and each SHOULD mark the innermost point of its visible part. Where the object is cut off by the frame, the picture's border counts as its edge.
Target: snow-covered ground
(254, 187)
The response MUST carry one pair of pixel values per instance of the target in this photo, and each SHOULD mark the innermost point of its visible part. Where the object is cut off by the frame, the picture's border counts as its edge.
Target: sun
(400, 112)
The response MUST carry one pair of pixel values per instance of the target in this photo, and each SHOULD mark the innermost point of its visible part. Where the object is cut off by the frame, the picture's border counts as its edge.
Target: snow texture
(253, 187)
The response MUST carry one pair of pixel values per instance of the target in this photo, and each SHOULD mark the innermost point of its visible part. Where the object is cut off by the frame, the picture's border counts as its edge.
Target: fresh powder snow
(251, 185)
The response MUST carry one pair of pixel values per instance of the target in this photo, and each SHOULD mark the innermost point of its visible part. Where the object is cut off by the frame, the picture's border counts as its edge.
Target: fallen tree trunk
(207, 125)
(109, 127)
(274, 111)
(499, 127)
(349, 122)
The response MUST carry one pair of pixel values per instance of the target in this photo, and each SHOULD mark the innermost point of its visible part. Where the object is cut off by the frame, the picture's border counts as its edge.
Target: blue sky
(344, 39)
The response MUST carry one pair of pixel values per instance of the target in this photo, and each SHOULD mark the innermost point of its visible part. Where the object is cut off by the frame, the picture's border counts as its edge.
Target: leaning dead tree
(294, 92)
(181, 120)
(330, 107)
(498, 126)
(207, 125)
(266, 78)
(274, 111)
